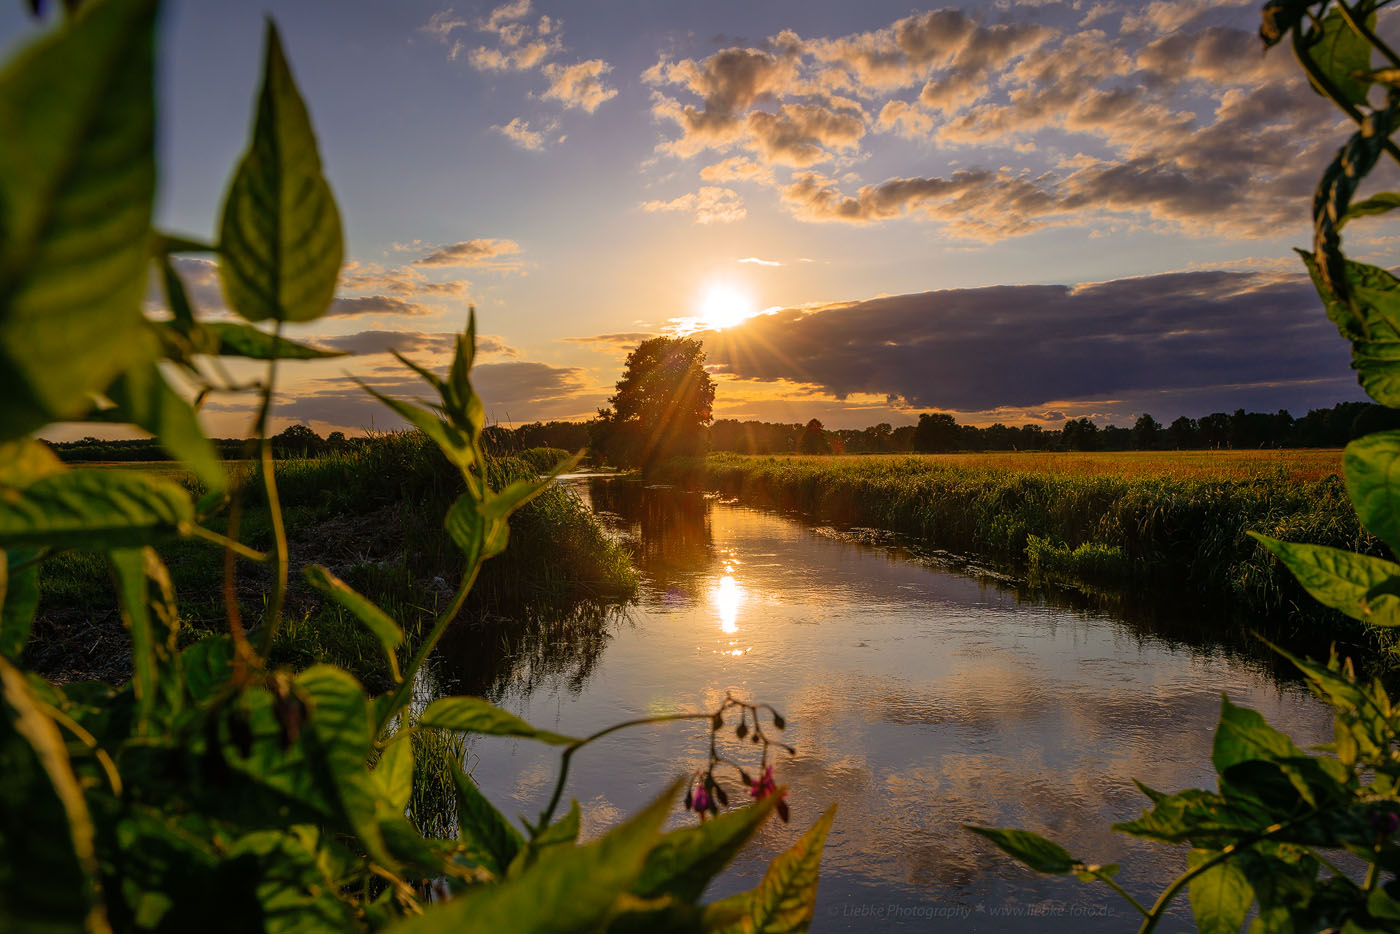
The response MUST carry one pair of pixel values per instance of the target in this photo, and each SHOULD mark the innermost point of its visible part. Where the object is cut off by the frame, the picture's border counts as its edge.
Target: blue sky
(588, 174)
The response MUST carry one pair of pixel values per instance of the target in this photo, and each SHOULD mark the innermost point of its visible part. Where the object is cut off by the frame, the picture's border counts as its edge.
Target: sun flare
(724, 307)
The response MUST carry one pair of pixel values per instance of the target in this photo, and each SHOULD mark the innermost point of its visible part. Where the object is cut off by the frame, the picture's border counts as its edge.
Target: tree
(1182, 434)
(936, 433)
(813, 440)
(1147, 431)
(296, 441)
(1080, 434)
(662, 405)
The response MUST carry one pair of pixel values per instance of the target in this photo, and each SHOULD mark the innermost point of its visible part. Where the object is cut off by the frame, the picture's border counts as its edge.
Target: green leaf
(1340, 54)
(34, 863)
(144, 398)
(683, 864)
(500, 505)
(786, 898)
(388, 632)
(1376, 204)
(93, 509)
(468, 528)
(570, 888)
(1371, 466)
(1243, 734)
(1370, 319)
(1032, 849)
(163, 244)
(394, 772)
(77, 175)
(455, 445)
(564, 830)
(337, 747)
(1220, 896)
(24, 461)
(19, 600)
(475, 715)
(153, 634)
(1343, 580)
(235, 339)
(280, 242)
(206, 666)
(488, 837)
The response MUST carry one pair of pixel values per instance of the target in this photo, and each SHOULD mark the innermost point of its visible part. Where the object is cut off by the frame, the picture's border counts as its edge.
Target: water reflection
(918, 698)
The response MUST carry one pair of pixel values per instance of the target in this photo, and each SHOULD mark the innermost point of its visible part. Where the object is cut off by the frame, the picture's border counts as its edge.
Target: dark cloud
(375, 305)
(516, 389)
(1203, 335)
(365, 343)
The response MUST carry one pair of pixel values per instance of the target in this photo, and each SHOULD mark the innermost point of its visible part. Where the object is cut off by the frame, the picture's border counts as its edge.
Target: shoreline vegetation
(370, 514)
(1168, 525)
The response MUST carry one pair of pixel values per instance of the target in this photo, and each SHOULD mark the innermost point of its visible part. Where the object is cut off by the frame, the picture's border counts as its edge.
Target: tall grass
(1168, 524)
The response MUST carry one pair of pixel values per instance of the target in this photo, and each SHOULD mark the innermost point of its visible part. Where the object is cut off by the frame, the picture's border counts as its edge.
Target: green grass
(1156, 524)
(373, 515)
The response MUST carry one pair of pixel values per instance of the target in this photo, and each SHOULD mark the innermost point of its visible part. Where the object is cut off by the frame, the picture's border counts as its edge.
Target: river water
(919, 698)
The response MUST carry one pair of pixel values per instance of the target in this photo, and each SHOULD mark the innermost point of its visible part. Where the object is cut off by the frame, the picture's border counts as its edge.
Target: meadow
(1163, 524)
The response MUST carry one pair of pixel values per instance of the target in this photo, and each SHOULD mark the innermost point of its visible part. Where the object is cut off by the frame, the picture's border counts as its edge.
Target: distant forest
(1320, 428)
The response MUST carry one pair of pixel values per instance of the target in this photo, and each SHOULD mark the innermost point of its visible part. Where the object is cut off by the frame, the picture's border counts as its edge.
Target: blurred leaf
(235, 339)
(564, 830)
(24, 461)
(1371, 466)
(77, 175)
(786, 898)
(144, 398)
(1032, 849)
(19, 599)
(1376, 204)
(455, 445)
(489, 838)
(467, 527)
(388, 632)
(686, 860)
(1341, 579)
(1340, 54)
(570, 888)
(206, 665)
(153, 634)
(94, 509)
(500, 505)
(474, 715)
(1220, 896)
(291, 883)
(1279, 16)
(48, 880)
(394, 773)
(280, 243)
(163, 244)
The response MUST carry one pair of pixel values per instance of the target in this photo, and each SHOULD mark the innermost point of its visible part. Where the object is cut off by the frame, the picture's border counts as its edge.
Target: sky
(1015, 212)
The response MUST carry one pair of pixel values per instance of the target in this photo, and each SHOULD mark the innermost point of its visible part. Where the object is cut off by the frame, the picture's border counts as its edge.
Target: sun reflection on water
(727, 596)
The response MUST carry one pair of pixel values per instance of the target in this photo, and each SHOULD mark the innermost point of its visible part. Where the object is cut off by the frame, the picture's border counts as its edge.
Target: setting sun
(724, 307)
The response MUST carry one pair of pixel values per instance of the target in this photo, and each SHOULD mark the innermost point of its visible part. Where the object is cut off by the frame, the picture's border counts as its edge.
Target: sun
(723, 307)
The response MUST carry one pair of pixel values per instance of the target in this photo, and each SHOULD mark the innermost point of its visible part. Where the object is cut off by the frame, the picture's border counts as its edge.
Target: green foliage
(1268, 838)
(662, 405)
(215, 791)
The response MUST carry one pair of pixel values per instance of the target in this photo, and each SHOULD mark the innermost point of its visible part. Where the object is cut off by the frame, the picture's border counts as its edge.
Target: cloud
(515, 389)
(1198, 338)
(480, 252)
(374, 305)
(760, 262)
(365, 343)
(580, 85)
(520, 46)
(627, 338)
(400, 280)
(1179, 120)
(518, 132)
(711, 204)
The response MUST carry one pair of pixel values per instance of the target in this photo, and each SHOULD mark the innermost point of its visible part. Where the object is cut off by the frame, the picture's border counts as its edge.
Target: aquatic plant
(215, 791)
(1276, 835)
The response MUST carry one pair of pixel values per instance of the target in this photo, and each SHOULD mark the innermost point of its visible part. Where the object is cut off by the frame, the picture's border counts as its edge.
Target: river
(919, 696)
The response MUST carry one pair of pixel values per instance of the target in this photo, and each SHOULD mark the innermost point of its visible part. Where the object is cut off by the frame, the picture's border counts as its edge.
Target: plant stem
(548, 813)
(223, 541)
(1364, 31)
(1325, 85)
(273, 619)
(1108, 880)
(420, 655)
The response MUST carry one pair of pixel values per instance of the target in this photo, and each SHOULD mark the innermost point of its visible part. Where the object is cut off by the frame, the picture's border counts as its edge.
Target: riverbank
(372, 515)
(1166, 524)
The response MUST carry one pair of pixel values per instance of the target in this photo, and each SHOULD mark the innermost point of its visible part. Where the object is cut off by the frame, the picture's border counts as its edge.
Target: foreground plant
(1308, 841)
(213, 791)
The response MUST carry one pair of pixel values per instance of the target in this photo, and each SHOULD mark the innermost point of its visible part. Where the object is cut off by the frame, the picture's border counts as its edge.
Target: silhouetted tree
(1080, 434)
(296, 441)
(1182, 433)
(936, 433)
(814, 440)
(1147, 432)
(662, 404)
